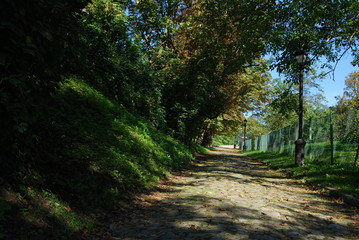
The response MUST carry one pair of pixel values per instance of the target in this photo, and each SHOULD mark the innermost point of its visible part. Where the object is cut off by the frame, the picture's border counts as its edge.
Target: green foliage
(346, 111)
(154, 24)
(223, 140)
(317, 27)
(199, 52)
(282, 109)
(50, 204)
(199, 149)
(189, 67)
(343, 177)
(103, 53)
(213, 49)
(255, 127)
(63, 213)
(34, 33)
(347, 125)
(247, 91)
(91, 154)
(105, 139)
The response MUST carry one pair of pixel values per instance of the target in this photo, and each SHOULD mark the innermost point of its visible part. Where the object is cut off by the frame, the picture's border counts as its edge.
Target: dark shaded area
(24, 222)
(90, 157)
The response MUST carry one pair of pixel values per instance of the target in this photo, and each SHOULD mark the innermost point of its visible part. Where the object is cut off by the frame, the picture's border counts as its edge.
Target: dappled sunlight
(227, 196)
(48, 215)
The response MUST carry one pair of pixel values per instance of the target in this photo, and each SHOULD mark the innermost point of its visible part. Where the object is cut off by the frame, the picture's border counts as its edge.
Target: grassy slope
(92, 155)
(339, 176)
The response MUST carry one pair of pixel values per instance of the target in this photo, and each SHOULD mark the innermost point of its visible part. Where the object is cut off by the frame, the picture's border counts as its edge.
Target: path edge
(333, 192)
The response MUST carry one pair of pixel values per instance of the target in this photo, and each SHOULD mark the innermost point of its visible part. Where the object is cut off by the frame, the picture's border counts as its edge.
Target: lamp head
(300, 55)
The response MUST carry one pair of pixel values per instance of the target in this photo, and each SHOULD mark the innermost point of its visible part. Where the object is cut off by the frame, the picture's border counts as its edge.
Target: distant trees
(351, 91)
(282, 108)
(198, 51)
(347, 113)
(249, 92)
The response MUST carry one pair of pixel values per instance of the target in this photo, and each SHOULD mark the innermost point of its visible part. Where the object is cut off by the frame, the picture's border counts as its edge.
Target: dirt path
(227, 196)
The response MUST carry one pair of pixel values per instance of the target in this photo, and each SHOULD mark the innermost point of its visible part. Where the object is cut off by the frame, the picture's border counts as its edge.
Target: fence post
(356, 157)
(310, 139)
(281, 141)
(331, 139)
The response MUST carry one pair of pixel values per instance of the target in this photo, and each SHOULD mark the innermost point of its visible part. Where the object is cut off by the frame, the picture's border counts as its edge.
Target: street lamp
(244, 134)
(234, 141)
(300, 143)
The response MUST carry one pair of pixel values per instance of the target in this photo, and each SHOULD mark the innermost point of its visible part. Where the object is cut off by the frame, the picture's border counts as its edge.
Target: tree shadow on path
(227, 196)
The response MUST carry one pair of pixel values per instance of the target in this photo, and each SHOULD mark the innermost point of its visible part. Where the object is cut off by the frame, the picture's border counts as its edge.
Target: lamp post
(300, 143)
(244, 134)
(234, 141)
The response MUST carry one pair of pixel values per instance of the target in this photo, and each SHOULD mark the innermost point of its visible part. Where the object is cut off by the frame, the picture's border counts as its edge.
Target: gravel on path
(229, 196)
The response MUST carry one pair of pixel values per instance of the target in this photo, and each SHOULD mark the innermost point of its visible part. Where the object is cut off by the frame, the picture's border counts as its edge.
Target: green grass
(109, 141)
(340, 176)
(50, 204)
(199, 149)
(90, 155)
(223, 140)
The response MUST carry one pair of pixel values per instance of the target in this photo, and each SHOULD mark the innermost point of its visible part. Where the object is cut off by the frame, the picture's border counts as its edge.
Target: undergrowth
(91, 154)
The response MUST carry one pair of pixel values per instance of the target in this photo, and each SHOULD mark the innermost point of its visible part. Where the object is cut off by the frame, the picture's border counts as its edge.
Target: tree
(351, 91)
(317, 27)
(282, 108)
(247, 92)
(347, 114)
(154, 23)
(213, 47)
(33, 37)
(105, 55)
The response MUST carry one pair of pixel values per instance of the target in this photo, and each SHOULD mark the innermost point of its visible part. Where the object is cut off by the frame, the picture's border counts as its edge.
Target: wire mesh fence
(333, 138)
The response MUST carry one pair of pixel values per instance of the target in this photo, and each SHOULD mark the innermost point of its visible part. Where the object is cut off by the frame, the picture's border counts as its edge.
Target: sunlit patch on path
(228, 196)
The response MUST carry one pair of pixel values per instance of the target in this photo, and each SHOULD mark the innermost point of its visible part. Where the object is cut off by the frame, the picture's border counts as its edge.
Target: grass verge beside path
(84, 158)
(342, 177)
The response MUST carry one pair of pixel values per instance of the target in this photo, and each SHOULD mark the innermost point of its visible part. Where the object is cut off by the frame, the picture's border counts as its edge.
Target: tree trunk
(199, 139)
(207, 139)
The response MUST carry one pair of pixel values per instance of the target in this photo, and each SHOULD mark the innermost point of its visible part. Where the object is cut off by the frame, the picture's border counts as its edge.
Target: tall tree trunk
(207, 139)
(199, 139)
